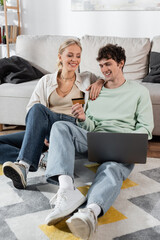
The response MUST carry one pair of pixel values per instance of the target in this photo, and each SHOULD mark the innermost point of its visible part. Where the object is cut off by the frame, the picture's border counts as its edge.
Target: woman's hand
(46, 142)
(78, 112)
(95, 89)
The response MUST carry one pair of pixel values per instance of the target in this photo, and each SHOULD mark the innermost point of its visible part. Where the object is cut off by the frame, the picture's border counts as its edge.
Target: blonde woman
(51, 101)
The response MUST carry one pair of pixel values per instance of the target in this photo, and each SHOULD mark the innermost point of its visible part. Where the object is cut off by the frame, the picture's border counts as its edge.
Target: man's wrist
(81, 120)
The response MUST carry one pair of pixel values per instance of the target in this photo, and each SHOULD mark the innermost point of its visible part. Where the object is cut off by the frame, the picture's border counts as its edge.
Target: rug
(134, 215)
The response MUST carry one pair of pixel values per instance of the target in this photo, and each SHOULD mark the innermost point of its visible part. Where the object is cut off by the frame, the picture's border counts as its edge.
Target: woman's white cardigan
(48, 83)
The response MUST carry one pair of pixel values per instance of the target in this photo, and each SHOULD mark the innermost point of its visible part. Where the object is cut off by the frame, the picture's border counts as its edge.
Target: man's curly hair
(111, 51)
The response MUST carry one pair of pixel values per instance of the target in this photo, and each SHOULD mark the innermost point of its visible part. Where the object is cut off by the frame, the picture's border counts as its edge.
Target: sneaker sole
(15, 175)
(52, 221)
(77, 225)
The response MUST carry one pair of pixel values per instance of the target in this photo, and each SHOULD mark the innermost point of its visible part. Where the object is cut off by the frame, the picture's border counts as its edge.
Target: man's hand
(46, 142)
(95, 89)
(78, 112)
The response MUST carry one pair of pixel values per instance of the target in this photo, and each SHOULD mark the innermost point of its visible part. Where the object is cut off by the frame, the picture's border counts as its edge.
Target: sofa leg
(1, 127)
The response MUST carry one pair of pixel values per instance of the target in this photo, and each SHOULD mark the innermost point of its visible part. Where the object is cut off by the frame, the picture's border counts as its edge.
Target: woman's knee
(37, 107)
(36, 111)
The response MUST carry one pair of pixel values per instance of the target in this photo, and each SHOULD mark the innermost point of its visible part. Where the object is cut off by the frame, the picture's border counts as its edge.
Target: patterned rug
(134, 215)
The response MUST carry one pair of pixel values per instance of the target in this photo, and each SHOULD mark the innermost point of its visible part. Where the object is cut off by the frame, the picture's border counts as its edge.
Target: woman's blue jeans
(29, 145)
(10, 146)
(66, 139)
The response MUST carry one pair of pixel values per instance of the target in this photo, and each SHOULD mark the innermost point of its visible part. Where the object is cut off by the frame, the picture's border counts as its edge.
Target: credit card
(78, 100)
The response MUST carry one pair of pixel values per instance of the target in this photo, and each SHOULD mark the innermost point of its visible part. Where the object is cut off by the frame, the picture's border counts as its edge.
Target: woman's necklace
(64, 78)
(62, 83)
(65, 92)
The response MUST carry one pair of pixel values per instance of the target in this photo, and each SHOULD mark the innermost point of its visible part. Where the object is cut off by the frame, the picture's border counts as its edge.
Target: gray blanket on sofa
(17, 70)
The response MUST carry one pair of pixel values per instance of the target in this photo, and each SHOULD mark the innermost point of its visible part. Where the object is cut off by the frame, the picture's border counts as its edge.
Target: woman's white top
(48, 83)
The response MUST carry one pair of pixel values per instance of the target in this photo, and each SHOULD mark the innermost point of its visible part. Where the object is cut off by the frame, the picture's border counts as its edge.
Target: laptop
(118, 147)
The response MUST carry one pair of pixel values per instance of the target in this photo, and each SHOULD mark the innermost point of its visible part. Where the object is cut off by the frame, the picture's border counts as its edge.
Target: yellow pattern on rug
(126, 184)
(93, 167)
(58, 232)
(112, 215)
(84, 189)
(61, 231)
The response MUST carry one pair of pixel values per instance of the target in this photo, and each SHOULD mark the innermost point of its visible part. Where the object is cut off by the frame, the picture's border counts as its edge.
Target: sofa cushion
(156, 44)
(154, 64)
(22, 90)
(154, 90)
(40, 51)
(137, 50)
(13, 101)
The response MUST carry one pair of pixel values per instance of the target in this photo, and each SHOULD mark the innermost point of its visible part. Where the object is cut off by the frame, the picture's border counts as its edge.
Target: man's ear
(121, 64)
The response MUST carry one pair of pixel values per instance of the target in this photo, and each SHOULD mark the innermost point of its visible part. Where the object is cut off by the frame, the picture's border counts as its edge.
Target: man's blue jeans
(66, 139)
(29, 145)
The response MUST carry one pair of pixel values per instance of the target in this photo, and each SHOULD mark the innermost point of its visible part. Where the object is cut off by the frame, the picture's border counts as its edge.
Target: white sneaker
(83, 224)
(64, 202)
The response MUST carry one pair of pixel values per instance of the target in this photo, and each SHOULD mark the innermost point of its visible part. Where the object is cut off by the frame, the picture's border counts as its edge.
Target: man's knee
(108, 166)
(111, 169)
(61, 127)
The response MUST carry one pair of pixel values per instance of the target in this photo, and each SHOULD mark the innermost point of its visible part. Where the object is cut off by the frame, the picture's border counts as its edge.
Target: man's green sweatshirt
(125, 109)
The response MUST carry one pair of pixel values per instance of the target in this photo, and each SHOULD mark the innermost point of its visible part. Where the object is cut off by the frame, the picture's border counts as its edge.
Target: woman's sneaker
(83, 224)
(17, 173)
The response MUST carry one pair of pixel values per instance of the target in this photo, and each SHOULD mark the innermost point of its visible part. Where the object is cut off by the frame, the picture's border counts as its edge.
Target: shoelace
(60, 197)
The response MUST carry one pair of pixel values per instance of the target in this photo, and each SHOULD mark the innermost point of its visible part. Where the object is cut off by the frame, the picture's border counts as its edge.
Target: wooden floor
(11, 129)
(153, 145)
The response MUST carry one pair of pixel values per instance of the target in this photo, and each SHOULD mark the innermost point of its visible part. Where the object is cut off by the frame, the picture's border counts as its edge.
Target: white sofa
(41, 51)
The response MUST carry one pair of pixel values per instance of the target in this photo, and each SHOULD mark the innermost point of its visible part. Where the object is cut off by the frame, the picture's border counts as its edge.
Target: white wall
(56, 17)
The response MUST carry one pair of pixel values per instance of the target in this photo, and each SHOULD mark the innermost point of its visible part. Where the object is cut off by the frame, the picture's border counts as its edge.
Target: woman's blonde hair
(63, 46)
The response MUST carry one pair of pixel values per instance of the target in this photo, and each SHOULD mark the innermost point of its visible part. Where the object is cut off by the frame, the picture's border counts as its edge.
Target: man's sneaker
(64, 202)
(17, 173)
(83, 224)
